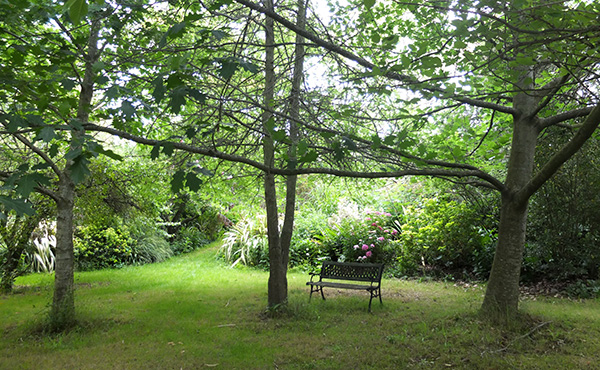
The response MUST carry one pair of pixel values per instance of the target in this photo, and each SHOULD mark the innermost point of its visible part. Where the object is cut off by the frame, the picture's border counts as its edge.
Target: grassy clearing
(192, 312)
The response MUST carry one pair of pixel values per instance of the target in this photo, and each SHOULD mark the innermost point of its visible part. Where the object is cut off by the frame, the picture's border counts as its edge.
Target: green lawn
(192, 312)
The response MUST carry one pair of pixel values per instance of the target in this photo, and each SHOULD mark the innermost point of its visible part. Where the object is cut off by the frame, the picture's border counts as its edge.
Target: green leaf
(77, 10)
(98, 66)
(190, 132)
(389, 140)
(53, 150)
(67, 84)
(79, 169)
(177, 30)
(46, 134)
(279, 135)
(159, 89)
(301, 148)
(128, 109)
(112, 92)
(311, 156)
(249, 66)
(339, 151)
(192, 181)
(40, 166)
(109, 153)
(27, 183)
(155, 153)
(174, 81)
(228, 68)
(327, 135)
(270, 124)
(349, 143)
(73, 153)
(20, 206)
(177, 99)
(76, 124)
(177, 181)
(168, 149)
(525, 60)
(197, 95)
(218, 34)
(15, 122)
(376, 142)
(369, 3)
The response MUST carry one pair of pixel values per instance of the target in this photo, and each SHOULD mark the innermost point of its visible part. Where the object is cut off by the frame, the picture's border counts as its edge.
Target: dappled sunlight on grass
(193, 311)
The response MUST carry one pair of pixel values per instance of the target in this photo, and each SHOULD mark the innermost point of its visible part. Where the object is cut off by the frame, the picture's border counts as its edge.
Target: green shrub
(584, 289)
(305, 251)
(443, 236)
(97, 248)
(189, 239)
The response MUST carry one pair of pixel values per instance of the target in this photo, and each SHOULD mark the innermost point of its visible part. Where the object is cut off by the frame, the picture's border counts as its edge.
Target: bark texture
(279, 243)
(62, 313)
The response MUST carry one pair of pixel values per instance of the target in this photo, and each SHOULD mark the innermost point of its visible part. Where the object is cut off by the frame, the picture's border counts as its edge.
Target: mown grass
(193, 312)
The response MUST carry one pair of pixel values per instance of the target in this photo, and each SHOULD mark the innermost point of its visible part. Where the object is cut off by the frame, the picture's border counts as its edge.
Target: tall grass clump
(246, 242)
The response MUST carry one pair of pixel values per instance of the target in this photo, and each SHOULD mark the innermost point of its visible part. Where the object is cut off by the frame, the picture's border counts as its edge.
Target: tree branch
(587, 129)
(566, 116)
(367, 64)
(489, 180)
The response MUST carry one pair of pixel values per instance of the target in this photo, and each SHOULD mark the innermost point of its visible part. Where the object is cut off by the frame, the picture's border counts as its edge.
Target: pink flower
(372, 245)
(365, 247)
(369, 254)
(394, 232)
(374, 224)
(381, 238)
(368, 218)
(386, 231)
(355, 246)
(388, 214)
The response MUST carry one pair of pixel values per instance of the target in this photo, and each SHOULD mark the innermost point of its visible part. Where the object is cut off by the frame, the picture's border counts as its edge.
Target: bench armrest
(313, 274)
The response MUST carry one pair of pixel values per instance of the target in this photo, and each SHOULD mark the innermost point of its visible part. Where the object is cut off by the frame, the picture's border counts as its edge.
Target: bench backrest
(355, 271)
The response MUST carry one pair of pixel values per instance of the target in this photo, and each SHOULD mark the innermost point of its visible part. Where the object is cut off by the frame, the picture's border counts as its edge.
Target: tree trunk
(279, 244)
(277, 285)
(502, 294)
(63, 302)
(62, 313)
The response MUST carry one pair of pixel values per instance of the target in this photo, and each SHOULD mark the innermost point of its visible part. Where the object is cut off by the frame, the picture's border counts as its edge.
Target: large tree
(51, 66)
(521, 66)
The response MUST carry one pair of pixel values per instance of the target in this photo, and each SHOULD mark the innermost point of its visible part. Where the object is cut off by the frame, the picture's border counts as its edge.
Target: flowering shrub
(362, 239)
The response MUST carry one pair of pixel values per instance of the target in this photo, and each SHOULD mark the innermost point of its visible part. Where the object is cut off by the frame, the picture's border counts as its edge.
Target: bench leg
(375, 293)
(316, 289)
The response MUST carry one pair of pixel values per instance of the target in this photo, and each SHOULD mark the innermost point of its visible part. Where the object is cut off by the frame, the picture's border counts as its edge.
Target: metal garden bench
(349, 271)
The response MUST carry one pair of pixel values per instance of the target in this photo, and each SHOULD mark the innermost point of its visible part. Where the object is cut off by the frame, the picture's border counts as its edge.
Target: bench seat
(368, 273)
